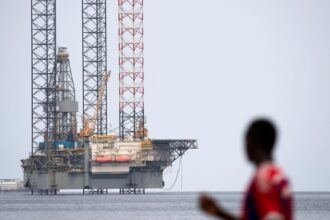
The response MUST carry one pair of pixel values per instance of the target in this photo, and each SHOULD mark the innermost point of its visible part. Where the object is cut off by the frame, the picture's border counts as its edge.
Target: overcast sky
(210, 67)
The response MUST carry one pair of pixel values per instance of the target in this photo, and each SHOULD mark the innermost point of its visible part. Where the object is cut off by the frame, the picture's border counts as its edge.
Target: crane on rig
(89, 125)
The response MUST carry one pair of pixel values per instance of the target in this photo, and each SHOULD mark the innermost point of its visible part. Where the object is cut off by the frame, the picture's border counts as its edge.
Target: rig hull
(125, 165)
(64, 180)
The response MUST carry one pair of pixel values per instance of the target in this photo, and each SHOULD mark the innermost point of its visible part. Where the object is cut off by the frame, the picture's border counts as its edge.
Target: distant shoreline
(15, 190)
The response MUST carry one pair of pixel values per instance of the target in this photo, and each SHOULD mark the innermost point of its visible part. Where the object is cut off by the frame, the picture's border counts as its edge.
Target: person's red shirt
(268, 196)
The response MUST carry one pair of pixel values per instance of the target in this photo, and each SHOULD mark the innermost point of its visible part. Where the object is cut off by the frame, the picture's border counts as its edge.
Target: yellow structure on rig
(89, 126)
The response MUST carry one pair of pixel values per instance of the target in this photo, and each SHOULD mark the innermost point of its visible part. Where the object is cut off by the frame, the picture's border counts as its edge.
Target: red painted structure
(131, 69)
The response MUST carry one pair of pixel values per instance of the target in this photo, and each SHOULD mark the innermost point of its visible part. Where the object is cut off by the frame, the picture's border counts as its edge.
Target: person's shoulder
(268, 176)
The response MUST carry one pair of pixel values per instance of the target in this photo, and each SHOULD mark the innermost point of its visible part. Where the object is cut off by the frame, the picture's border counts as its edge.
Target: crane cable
(176, 177)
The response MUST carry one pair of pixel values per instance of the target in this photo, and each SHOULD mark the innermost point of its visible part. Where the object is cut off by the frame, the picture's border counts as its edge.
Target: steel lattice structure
(131, 72)
(67, 107)
(43, 58)
(62, 159)
(94, 49)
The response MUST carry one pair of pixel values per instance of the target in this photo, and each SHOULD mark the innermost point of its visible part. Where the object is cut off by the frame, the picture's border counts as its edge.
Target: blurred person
(268, 196)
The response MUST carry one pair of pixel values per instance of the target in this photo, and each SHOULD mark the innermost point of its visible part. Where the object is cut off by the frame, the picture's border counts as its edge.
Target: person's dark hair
(262, 132)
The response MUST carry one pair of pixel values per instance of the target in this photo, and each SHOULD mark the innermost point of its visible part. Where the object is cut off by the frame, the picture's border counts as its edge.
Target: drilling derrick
(94, 52)
(131, 72)
(67, 107)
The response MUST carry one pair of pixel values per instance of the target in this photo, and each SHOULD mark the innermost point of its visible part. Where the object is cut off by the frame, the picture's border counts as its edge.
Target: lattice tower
(131, 69)
(94, 49)
(43, 49)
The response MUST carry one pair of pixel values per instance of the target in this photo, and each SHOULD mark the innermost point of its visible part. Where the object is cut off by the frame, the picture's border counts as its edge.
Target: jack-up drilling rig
(93, 160)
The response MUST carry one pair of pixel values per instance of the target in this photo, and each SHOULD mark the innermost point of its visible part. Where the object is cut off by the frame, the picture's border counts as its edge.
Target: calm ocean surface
(164, 205)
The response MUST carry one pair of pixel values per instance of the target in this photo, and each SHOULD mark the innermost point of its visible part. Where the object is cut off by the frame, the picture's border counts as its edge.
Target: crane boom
(89, 125)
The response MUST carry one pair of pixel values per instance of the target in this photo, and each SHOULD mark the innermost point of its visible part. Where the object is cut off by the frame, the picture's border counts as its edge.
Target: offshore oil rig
(64, 157)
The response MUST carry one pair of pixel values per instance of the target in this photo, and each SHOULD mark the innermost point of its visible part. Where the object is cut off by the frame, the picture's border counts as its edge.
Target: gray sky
(210, 67)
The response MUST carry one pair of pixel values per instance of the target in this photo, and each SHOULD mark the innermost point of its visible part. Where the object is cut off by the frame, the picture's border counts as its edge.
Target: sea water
(152, 205)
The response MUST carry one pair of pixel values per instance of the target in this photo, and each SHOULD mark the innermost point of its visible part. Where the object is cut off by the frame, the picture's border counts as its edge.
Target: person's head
(260, 140)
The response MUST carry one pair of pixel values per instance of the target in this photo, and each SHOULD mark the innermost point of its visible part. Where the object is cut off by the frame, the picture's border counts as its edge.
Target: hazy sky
(210, 67)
